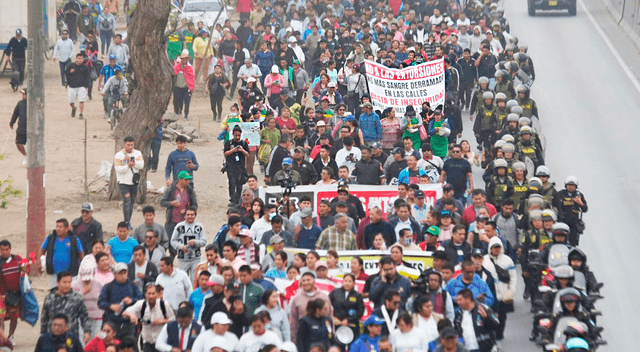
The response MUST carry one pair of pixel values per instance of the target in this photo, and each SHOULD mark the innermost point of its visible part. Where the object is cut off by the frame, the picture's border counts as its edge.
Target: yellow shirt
(199, 45)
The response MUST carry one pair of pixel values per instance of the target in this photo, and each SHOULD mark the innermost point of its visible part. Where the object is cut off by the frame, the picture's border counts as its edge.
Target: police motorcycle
(568, 319)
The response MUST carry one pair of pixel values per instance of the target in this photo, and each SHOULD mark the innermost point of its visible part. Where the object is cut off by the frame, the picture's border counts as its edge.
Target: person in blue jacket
(369, 341)
(469, 279)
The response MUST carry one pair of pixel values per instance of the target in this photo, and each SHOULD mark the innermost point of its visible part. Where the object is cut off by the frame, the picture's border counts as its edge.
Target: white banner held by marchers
(398, 88)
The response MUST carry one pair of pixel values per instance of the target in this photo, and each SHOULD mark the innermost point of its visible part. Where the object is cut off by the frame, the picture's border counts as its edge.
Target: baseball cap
(298, 149)
(296, 62)
(321, 263)
(276, 239)
(398, 150)
(119, 267)
(185, 175)
(445, 213)
(373, 319)
(331, 84)
(220, 318)
(447, 187)
(349, 118)
(326, 135)
(23, 90)
(366, 105)
(18, 31)
(292, 39)
(418, 194)
(215, 280)
(439, 255)
(87, 207)
(287, 161)
(376, 145)
(433, 230)
(321, 123)
(324, 98)
(306, 212)
(245, 232)
(112, 57)
(251, 79)
(448, 332)
(342, 204)
(477, 252)
(232, 286)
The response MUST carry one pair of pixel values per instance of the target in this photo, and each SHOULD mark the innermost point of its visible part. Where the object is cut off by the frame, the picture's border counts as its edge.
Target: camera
(223, 169)
(351, 158)
(286, 182)
(133, 158)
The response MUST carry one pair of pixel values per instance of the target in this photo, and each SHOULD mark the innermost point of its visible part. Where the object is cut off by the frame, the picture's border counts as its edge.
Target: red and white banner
(398, 88)
(381, 196)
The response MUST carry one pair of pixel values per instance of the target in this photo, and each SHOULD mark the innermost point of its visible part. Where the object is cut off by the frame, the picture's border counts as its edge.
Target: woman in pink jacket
(274, 82)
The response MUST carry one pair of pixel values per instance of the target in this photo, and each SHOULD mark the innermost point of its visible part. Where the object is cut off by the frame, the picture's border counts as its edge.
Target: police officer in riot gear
(571, 204)
(476, 101)
(485, 124)
(529, 106)
(527, 148)
(500, 185)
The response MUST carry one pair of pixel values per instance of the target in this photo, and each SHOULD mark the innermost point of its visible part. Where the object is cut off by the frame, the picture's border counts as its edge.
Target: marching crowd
(130, 292)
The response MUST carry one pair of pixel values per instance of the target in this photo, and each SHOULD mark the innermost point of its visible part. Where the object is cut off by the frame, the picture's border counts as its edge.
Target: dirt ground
(64, 137)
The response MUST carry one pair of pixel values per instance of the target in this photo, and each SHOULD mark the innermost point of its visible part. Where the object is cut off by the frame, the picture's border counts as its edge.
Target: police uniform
(485, 125)
(519, 190)
(498, 189)
(526, 148)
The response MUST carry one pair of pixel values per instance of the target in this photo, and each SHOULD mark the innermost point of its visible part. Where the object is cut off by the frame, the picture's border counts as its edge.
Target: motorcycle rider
(560, 232)
(571, 204)
(571, 307)
(578, 261)
(533, 240)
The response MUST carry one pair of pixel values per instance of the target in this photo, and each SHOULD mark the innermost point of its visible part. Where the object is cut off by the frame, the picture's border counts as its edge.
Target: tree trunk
(152, 84)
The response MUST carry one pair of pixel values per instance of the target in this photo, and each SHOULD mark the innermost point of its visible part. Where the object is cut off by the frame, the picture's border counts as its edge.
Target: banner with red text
(398, 88)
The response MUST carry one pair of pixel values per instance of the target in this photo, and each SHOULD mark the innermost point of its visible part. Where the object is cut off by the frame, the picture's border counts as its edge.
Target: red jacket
(11, 273)
(469, 214)
(189, 75)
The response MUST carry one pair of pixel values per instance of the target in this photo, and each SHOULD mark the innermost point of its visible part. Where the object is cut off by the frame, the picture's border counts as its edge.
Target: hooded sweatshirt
(504, 291)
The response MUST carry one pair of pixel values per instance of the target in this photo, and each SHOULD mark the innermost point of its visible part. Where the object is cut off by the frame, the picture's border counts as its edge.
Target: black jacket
(80, 77)
(350, 307)
(20, 115)
(468, 71)
(150, 274)
(90, 235)
(452, 252)
(484, 327)
(275, 160)
(308, 173)
(318, 165)
(170, 195)
(212, 305)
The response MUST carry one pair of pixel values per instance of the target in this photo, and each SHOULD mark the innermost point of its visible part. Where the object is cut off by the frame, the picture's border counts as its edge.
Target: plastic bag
(30, 308)
(264, 152)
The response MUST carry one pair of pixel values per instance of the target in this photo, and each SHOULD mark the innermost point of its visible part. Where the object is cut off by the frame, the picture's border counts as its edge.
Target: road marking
(614, 51)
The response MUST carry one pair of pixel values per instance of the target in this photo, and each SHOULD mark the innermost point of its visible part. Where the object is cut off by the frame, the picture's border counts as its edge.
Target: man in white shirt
(128, 162)
(175, 282)
(249, 70)
(263, 224)
(180, 334)
(187, 239)
(63, 52)
(219, 331)
(152, 313)
(349, 155)
(430, 163)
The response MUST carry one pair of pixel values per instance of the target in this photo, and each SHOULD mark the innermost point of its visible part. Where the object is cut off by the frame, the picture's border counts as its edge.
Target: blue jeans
(105, 40)
(156, 143)
(63, 69)
(128, 193)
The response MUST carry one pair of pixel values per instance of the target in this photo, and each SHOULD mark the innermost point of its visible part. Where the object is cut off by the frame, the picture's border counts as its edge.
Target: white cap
(220, 318)
(288, 346)
(290, 29)
(251, 79)
(292, 39)
(275, 69)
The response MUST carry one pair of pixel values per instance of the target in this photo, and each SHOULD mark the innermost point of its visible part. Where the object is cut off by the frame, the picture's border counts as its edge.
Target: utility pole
(35, 127)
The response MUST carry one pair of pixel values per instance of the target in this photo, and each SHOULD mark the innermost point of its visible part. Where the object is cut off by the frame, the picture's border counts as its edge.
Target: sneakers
(81, 117)
(24, 160)
(73, 112)
(186, 117)
(526, 295)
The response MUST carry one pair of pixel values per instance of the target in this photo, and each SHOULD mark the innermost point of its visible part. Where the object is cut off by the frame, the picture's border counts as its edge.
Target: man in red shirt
(479, 199)
(9, 281)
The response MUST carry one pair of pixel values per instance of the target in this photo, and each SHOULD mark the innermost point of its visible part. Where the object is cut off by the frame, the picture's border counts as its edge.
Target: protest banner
(381, 196)
(250, 132)
(413, 85)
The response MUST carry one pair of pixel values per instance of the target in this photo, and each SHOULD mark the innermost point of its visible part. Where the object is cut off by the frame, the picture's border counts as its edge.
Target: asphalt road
(589, 111)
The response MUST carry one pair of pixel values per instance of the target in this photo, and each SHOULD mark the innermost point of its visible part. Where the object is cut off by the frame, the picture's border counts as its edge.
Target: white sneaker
(24, 160)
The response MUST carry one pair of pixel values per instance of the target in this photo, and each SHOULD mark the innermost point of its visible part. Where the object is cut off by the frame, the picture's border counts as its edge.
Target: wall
(627, 13)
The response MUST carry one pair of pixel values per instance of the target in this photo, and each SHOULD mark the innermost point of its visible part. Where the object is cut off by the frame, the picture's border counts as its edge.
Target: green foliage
(6, 191)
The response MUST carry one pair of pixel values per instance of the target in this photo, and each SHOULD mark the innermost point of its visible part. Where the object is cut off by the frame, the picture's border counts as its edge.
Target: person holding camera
(349, 155)
(287, 177)
(151, 313)
(236, 151)
(128, 162)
